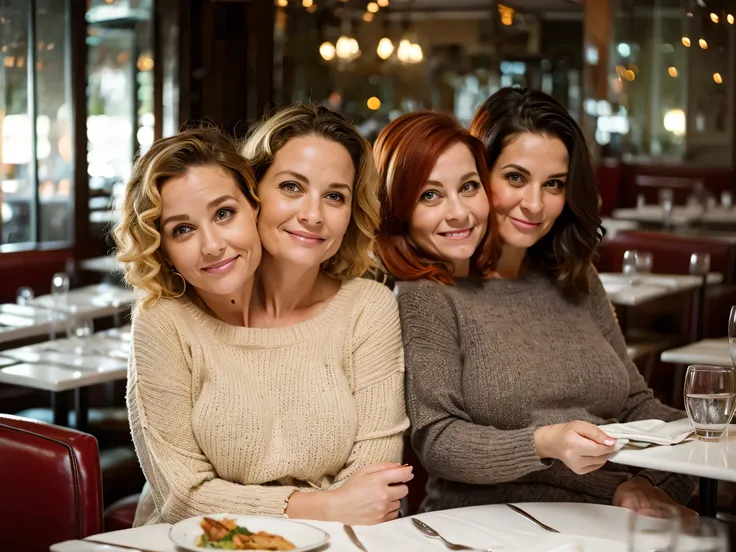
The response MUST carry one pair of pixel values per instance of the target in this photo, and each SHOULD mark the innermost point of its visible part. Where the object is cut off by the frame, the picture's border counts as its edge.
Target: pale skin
(206, 221)
(451, 214)
(528, 185)
(306, 207)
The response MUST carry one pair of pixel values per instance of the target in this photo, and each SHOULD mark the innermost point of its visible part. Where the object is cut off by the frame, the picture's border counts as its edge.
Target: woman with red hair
(510, 368)
(434, 191)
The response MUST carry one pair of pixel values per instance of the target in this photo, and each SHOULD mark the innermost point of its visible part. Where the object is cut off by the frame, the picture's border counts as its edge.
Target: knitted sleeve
(448, 442)
(182, 481)
(377, 361)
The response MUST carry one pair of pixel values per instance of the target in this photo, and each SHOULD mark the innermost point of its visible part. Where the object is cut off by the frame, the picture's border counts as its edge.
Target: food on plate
(226, 534)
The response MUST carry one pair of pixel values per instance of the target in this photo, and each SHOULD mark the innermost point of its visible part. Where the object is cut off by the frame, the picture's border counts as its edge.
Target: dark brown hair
(566, 252)
(406, 151)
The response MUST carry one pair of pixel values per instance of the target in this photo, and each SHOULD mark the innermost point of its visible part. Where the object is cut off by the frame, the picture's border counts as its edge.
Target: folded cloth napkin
(651, 431)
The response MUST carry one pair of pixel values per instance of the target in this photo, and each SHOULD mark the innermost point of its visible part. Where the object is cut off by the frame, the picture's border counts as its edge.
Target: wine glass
(709, 399)
(700, 264)
(732, 335)
(78, 330)
(666, 201)
(23, 296)
(654, 529)
(726, 200)
(701, 534)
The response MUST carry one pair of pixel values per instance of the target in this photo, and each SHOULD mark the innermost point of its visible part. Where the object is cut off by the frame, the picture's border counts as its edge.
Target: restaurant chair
(121, 514)
(52, 488)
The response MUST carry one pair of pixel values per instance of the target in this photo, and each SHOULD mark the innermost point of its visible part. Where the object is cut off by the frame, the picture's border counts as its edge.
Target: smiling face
(528, 184)
(451, 214)
(208, 231)
(306, 201)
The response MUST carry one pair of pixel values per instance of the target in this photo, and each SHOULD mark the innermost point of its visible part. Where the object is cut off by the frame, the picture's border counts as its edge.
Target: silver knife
(531, 518)
(353, 537)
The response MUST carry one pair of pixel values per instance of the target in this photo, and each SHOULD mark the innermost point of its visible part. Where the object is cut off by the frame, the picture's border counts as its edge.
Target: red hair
(406, 151)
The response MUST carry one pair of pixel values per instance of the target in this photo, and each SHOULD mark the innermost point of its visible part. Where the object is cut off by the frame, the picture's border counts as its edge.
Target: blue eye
(514, 178)
(335, 197)
(429, 196)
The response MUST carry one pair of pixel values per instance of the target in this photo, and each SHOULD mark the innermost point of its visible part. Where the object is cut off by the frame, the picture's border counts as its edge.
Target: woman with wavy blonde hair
(317, 187)
(227, 417)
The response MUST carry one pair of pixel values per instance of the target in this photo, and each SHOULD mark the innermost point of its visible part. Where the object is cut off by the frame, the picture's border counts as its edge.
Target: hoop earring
(184, 288)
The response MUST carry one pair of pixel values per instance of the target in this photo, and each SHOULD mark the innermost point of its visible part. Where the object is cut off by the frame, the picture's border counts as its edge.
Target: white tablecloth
(583, 527)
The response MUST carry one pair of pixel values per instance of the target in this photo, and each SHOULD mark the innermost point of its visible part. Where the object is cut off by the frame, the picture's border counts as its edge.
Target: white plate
(305, 537)
(85, 546)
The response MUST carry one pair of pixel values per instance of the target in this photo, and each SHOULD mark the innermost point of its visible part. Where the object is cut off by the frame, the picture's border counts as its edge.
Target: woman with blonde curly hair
(224, 416)
(317, 186)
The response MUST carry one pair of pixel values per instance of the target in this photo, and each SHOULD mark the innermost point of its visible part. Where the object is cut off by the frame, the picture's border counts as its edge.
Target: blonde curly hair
(353, 259)
(138, 235)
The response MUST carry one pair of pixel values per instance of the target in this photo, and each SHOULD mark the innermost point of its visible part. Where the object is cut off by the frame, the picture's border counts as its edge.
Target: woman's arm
(377, 361)
(447, 441)
(640, 403)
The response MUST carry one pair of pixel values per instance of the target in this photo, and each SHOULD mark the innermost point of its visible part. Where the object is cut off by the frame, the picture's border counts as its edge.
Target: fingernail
(404, 465)
(610, 442)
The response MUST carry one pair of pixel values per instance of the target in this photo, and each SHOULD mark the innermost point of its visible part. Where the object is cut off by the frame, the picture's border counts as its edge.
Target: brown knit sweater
(488, 362)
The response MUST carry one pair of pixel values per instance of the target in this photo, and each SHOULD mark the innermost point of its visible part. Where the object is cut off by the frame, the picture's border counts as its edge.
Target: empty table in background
(95, 301)
(654, 214)
(106, 264)
(708, 351)
(649, 287)
(25, 322)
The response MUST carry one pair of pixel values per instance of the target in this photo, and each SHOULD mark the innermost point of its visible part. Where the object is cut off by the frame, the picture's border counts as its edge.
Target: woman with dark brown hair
(512, 371)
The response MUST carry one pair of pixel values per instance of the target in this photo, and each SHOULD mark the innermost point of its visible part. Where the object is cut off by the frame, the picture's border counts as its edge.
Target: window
(35, 114)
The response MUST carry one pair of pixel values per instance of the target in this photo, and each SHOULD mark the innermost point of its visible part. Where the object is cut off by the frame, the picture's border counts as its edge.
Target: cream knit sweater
(233, 419)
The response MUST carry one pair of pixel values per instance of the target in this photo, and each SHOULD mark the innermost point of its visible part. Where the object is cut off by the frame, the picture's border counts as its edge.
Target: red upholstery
(121, 514)
(51, 485)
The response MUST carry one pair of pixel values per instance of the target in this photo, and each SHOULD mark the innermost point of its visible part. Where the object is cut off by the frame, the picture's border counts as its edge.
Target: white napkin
(650, 431)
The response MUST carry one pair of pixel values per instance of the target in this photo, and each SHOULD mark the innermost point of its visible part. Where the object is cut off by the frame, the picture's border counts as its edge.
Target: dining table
(710, 461)
(707, 351)
(581, 528)
(68, 366)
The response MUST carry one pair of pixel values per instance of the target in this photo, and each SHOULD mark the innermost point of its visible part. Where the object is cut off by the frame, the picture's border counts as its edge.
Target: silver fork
(432, 534)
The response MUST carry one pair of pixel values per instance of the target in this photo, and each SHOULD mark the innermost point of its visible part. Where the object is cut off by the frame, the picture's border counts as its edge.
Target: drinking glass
(732, 335)
(643, 262)
(654, 529)
(700, 264)
(641, 201)
(24, 295)
(726, 200)
(78, 330)
(666, 201)
(60, 284)
(635, 263)
(701, 534)
(709, 399)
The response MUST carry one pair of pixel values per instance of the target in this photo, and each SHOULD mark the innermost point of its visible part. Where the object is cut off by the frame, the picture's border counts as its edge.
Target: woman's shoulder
(166, 314)
(364, 291)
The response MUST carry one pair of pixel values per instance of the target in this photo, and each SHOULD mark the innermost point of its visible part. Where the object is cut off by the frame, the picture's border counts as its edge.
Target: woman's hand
(370, 496)
(639, 494)
(581, 446)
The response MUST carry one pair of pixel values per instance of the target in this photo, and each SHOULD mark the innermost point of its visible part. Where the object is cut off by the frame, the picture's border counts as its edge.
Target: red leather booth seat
(51, 487)
(671, 252)
(121, 514)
